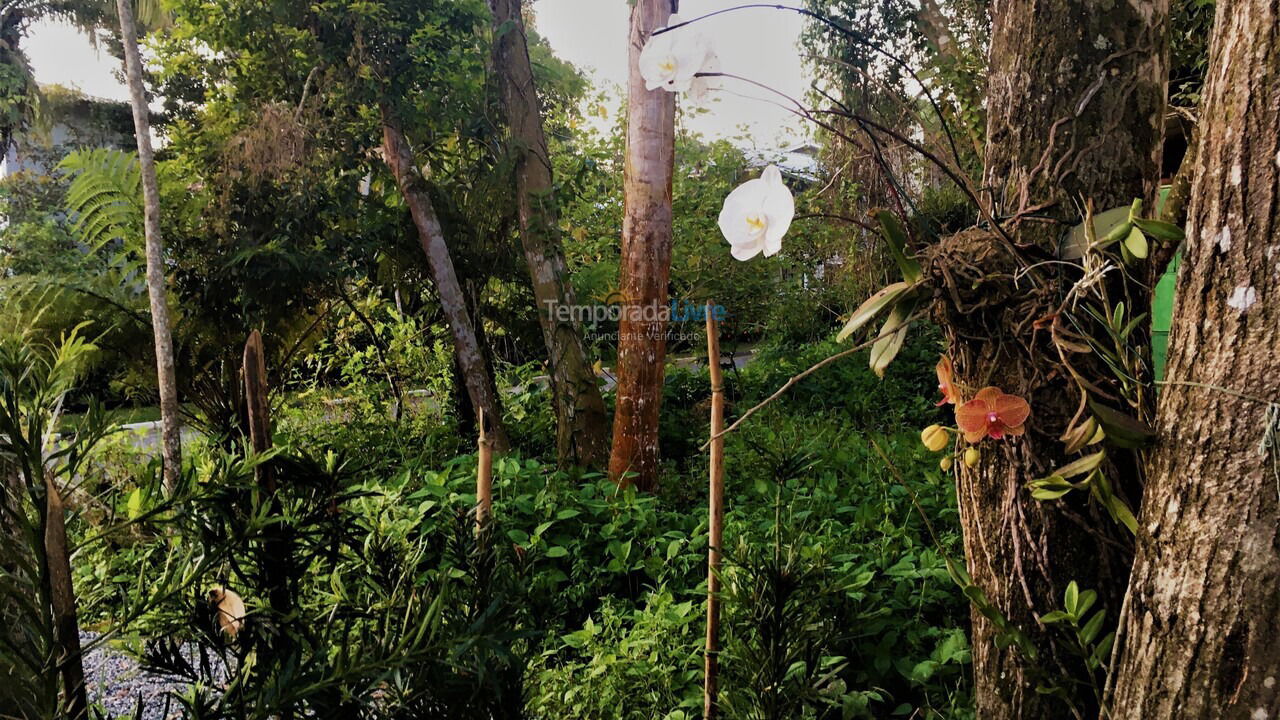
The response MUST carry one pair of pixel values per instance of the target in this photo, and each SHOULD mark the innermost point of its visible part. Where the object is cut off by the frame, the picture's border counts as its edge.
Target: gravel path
(116, 681)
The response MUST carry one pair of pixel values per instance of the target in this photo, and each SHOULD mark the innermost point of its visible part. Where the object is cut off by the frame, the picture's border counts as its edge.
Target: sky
(756, 43)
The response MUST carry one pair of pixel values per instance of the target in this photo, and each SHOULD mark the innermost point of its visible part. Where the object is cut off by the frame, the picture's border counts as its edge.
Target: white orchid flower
(757, 214)
(701, 87)
(670, 60)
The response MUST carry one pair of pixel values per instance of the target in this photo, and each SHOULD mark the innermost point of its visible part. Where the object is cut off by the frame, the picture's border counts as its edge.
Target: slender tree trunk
(646, 261)
(581, 426)
(63, 599)
(166, 376)
(1199, 638)
(471, 358)
(1075, 100)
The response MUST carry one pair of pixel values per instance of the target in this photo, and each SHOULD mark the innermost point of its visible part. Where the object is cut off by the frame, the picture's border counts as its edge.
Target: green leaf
(1048, 494)
(557, 551)
(1091, 628)
(134, 504)
(896, 235)
(1086, 464)
(886, 349)
(1121, 429)
(1136, 244)
(1160, 230)
(1121, 512)
(873, 306)
(1087, 599)
(1071, 597)
(1056, 616)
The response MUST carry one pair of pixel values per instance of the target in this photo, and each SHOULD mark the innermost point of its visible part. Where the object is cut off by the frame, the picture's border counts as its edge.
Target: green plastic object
(1162, 315)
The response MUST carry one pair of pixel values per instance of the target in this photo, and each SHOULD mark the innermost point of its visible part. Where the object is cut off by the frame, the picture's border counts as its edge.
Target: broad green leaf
(1091, 628)
(1049, 494)
(1085, 464)
(1071, 597)
(134, 504)
(1160, 230)
(1121, 429)
(896, 235)
(1136, 244)
(874, 305)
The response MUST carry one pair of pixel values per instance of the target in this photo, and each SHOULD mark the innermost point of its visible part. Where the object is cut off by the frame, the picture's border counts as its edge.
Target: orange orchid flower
(992, 413)
(945, 381)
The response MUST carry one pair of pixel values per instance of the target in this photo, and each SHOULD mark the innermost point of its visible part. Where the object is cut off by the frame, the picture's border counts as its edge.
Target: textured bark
(1204, 602)
(63, 600)
(582, 430)
(646, 262)
(1075, 101)
(166, 376)
(476, 374)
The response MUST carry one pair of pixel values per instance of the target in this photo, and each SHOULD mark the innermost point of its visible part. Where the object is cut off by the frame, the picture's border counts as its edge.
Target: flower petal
(745, 251)
(972, 418)
(988, 395)
(1011, 409)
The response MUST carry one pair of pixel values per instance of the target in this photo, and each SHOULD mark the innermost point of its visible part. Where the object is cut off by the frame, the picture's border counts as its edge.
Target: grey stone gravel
(115, 680)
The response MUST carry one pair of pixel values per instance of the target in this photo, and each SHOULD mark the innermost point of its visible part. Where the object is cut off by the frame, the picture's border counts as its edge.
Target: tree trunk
(471, 358)
(581, 426)
(646, 261)
(62, 597)
(1075, 100)
(166, 376)
(1203, 617)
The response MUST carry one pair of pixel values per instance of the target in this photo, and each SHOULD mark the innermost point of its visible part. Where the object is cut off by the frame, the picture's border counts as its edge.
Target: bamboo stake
(715, 508)
(484, 478)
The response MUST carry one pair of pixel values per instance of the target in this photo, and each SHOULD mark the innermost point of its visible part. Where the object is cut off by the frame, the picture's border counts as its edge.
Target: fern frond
(105, 196)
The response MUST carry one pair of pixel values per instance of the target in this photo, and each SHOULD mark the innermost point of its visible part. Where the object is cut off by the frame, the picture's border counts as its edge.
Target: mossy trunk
(471, 356)
(1203, 616)
(582, 428)
(1075, 103)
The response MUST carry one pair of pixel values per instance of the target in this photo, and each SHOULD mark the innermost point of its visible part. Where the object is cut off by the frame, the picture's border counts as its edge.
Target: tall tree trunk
(471, 357)
(1075, 101)
(1199, 639)
(166, 377)
(581, 426)
(646, 261)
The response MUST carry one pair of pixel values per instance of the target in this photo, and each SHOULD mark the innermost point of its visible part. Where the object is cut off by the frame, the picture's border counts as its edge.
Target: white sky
(757, 43)
(592, 34)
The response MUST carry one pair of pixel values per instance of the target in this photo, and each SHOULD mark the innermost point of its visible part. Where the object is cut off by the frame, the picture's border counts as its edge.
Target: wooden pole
(484, 478)
(715, 510)
(257, 398)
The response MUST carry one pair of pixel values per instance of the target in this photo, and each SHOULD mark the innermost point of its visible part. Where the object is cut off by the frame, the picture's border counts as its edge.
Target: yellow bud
(935, 437)
(972, 456)
(947, 462)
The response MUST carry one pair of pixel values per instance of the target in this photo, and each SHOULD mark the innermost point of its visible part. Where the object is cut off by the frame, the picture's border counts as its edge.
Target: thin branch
(815, 368)
(850, 33)
(830, 216)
